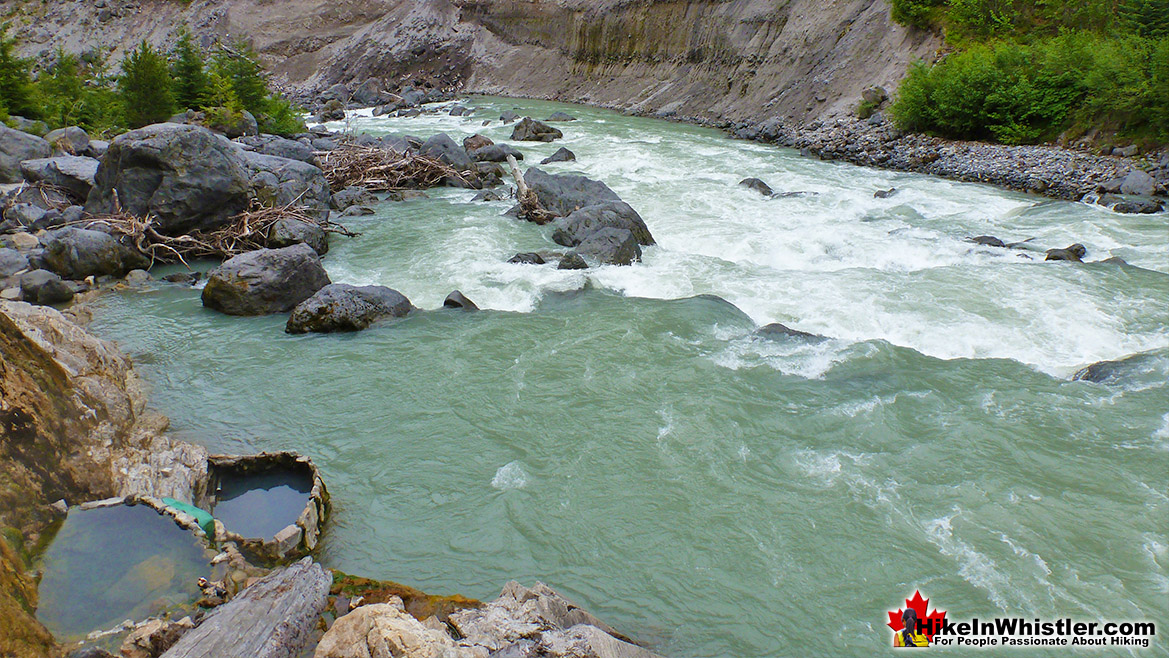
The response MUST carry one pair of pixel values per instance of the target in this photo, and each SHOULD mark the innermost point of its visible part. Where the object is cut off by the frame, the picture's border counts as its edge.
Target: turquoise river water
(622, 435)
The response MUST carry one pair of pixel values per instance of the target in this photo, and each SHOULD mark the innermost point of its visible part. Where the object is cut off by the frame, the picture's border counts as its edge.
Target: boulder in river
(580, 224)
(561, 155)
(458, 300)
(572, 261)
(508, 116)
(530, 130)
(72, 173)
(496, 153)
(611, 246)
(342, 307)
(884, 194)
(988, 241)
(16, 147)
(530, 258)
(757, 185)
(777, 330)
(75, 253)
(1074, 253)
(265, 281)
(184, 176)
(276, 617)
(442, 147)
(1138, 206)
(354, 195)
(560, 116)
(564, 193)
(475, 142)
(289, 231)
(278, 181)
(1119, 370)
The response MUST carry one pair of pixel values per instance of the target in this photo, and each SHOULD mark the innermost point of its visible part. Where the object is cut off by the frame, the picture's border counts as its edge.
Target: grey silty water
(622, 434)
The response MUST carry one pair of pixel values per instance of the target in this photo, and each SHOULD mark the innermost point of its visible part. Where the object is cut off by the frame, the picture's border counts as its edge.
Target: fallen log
(274, 618)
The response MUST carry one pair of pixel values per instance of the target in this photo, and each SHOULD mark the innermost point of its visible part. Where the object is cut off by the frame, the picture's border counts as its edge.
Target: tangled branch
(381, 170)
(248, 231)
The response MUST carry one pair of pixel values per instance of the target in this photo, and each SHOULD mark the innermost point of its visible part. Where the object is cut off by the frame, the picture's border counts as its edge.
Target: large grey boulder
(564, 193)
(76, 253)
(442, 147)
(265, 281)
(342, 307)
(68, 141)
(530, 130)
(186, 177)
(579, 225)
(74, 174)
(16, 147)
(278, 181)
(281, 147)
(276, 617)
(610, 246)
(1139, 183)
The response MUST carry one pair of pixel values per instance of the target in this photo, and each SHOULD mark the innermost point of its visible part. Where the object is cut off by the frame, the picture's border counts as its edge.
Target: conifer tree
(145, 87)
(16, 90)
(189, 77)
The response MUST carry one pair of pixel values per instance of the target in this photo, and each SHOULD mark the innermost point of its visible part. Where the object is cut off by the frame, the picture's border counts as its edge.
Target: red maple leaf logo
(929, 623)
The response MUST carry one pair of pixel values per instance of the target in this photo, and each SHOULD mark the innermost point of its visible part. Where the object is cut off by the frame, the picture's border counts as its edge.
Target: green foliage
(247, 78)
(16, 89)
(919, 13)
(189, 77)
(1022, 93)
(145, 87)
(280, 117)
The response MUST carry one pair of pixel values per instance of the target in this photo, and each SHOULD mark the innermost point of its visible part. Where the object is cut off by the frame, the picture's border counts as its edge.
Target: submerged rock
(777, 330)
(560, 116)
(884, 194)
(1074, 253)
(1119, 370)
(184, 176)
(342, 307)
(530, 130)
(276, 617)
(265, 281)
(757, 185)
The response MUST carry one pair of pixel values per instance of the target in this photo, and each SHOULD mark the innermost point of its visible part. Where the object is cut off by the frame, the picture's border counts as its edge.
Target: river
(622, 435)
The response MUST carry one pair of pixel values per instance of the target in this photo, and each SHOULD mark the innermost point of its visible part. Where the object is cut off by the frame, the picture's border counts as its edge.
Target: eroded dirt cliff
(716, 59)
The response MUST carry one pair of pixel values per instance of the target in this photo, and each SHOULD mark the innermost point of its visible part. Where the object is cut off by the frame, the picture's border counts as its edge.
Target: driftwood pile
(381, 170)
(247, 231)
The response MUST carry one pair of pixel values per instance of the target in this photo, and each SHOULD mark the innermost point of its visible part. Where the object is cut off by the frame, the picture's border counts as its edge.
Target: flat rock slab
(274, 618)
